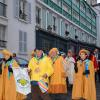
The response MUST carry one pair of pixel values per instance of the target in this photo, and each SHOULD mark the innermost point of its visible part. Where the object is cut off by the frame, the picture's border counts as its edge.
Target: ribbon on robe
(10, 70)
(86, 66)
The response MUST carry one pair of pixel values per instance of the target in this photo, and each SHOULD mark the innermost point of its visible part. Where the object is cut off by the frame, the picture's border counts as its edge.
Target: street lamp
(76, 38)
(49, 28)
(66, 33)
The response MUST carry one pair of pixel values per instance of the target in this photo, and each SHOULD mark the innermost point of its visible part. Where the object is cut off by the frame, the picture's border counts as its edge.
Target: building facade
(17, 28)
(65, 24)
(97, 10)
(29, 24)
(91, 2)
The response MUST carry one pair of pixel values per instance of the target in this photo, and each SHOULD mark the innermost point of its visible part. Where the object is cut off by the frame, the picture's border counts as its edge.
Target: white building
(97, 9)
(92, 2)
(74, 17)
(17, 28)
(59, 23)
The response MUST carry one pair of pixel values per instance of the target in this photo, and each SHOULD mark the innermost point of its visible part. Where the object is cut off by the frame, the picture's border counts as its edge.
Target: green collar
(55, 58)
(38, 59)
(9, 63)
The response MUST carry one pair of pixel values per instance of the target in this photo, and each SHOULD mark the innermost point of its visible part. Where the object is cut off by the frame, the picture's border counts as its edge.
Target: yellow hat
(33, 52)
(6, 52)
(53, 50)
(84, 51)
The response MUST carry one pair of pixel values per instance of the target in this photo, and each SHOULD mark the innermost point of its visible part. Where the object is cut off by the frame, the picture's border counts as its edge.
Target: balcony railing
(94, 24)
(75, 20)
(82, 25)
(66, 14)
(60, 10)
(2, 9)
(68, 2)
(75, 7)
(82, 14)
(88, 19)
(94, 33)
(3, 43)
(46, 1)
(55, 6)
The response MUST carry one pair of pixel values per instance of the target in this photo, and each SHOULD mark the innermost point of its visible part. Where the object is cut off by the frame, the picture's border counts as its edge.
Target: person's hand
(28, 70)
(37, 70)
(45, 76)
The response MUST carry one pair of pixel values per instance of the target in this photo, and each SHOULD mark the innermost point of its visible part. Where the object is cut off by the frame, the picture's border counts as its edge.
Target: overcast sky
(98, 1)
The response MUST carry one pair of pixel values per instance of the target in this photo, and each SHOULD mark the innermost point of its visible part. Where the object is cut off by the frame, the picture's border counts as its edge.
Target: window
(22, 42)
(38, 16)
(88, 12)
(66, 26)
(82, 36)
(43, 20)
(94, 18)
(46, 45)
(82, 7)
(87, 38)
(2, 8)
(54, 23)
(93, 28)
(59, 2)
(22, 10)
(67, 8)
(83, 21)
(88, 25)
(2, 32)
(75, 14)
(2, 36)
(76, 2)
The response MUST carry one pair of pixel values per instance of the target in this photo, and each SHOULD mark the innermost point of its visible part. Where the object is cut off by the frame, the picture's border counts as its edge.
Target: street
(69, 93)
(98, 92)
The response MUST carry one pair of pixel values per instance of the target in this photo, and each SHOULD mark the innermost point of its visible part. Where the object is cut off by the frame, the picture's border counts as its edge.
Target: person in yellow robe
(84, 78)
(8, 91)
(1, 61)
(40, 68)
(57, 86)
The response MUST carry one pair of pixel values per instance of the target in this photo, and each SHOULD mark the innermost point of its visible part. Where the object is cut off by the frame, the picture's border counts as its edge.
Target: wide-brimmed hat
(53, 50)
(84, 51)
(6, 52)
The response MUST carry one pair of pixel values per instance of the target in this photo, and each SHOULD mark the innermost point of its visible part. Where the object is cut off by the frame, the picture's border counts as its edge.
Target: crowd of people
(52, 75)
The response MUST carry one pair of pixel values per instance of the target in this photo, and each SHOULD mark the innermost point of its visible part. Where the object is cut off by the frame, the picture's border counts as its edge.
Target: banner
(22, 80)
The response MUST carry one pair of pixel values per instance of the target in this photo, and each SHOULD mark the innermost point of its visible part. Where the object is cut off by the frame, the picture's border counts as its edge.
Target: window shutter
(25, 42)
(50, 19)
(20, 41)
(58, 25)
(61, 27)
(28, 12)
(44, 19)
(16, 8)
(47, 19)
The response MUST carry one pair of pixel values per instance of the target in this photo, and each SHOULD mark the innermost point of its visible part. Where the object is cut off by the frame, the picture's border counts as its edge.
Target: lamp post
(68, 44)
(77, 49)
